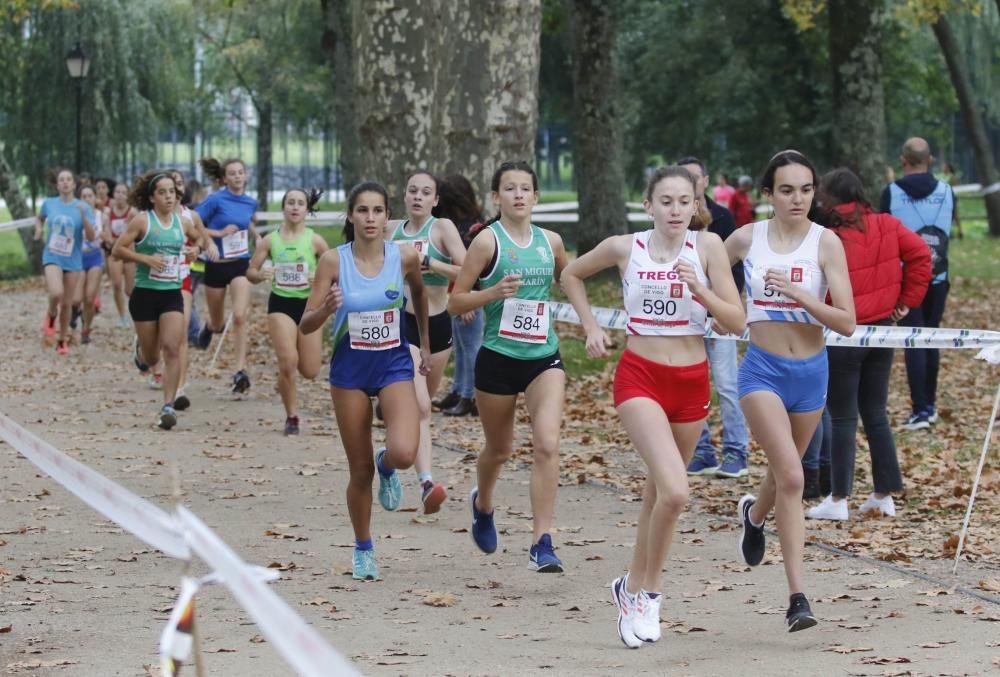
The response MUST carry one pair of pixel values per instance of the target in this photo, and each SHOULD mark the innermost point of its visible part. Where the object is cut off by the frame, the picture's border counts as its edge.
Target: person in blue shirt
(925, 206)
(70, 220)
(229, 216)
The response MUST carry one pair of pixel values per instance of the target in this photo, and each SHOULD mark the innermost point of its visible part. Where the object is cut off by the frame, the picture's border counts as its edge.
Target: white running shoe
(883, 505)
(627, 612)
(646, 625)
(829, 509)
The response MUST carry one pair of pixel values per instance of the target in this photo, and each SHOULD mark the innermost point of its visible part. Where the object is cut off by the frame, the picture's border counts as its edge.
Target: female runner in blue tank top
(790, 263)
(69, 221)
(361, 284)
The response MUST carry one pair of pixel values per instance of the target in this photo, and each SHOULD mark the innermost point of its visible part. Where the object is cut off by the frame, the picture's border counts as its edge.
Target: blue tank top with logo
(367, 327)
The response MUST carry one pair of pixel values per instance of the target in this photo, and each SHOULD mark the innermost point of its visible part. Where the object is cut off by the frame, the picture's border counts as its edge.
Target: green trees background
(845, 81)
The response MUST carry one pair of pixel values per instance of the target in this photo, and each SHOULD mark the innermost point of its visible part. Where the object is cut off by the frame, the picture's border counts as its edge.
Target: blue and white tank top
(370, 318)
(801, 266)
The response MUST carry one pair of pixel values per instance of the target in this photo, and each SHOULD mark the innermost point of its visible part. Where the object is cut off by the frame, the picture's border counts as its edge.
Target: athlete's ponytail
(352, 199)
(217, 170)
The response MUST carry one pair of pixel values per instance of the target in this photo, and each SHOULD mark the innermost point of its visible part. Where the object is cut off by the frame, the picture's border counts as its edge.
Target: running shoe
(181, 402)
(432, 497)
(883, 505)
(446, 402)
(49, 325)
(799, 615)
(542, 557)
(734, 466)
(85, 336)
(62, 348)
(241, 381)
(626, 604)
(646, 622)
(931, 414)
(292, 425)
(483, 531)
(364, 568)
(918, 421)
(204, 337)
(137, 358)
(97, 305)
(74, 318)
(168, 417)
(752, 538)
(123, 322)
(702, 465)
(829, 509)
(156, 381)
(390, 489)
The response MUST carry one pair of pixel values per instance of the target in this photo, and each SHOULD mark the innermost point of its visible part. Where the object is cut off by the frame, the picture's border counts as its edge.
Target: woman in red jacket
(884, 292)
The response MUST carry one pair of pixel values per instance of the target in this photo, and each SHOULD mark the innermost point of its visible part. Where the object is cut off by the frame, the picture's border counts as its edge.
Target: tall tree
(973, 119)
(858, 103)
(337, 48)
(600, 178)
(446, 86)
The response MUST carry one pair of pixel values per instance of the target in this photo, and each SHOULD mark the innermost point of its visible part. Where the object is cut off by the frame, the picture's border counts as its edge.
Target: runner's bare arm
(462, 298)
(415, 282)
(722, 298)
(326, 295)
(612, 251)
(450, 242)
(123, 250)
(256, 271)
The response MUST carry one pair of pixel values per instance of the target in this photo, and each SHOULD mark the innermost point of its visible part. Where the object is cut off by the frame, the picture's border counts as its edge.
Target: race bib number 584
(525, 321)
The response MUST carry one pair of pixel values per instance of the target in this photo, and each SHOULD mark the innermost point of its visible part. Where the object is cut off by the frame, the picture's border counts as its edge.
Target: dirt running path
(82, 597)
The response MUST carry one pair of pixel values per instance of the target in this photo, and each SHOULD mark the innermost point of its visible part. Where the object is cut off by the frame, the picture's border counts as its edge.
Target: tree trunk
(598, 147)
(19, 210)
(858, 104)
(491, 94)
(339, 55)
(265, 161)
(445, 86)
(973, 121)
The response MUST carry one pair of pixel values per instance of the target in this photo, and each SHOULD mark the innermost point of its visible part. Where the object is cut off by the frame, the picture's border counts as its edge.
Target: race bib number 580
(525, 321)
(374, 329)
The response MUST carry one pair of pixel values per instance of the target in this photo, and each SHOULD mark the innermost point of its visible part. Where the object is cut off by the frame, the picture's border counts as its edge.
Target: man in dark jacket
(925, 206)
(722, 360)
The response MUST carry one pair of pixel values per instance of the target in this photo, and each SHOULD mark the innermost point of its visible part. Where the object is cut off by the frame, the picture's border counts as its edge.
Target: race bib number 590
(525, 321)
(374, 329)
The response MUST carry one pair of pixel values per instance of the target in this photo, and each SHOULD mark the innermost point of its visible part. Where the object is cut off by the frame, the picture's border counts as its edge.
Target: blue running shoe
(483, 531)
(542, 557)
(918, 421)
(390, 490)
(931, 414)
(204, 337)
(703, 465)
(364, 568)
(733, 466)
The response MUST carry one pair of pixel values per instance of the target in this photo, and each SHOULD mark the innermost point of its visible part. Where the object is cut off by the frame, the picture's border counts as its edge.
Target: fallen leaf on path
(936, 645)
(5, 628)
(884, 660)
(152, 670)
(219, 650)
(837, 648)
(440, 599)
(37, 663)
(257, 639)
(992, 584)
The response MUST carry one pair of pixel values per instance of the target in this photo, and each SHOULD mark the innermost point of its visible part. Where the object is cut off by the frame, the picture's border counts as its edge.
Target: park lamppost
(78, 66)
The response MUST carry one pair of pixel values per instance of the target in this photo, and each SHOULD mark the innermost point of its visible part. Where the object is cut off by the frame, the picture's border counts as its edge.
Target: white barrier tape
(134, 514)
(863, 336)
(992, 188)
(177, 639)
(20, 223)
(304, 649)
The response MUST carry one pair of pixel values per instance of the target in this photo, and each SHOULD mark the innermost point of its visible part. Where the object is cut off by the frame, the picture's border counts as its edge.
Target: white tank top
(656, 301)
(801, 266)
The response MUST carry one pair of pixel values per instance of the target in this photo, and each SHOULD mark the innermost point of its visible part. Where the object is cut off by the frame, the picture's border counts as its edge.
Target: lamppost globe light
(77, 63)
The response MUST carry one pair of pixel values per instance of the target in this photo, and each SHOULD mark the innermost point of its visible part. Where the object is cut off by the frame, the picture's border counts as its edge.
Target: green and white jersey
(166, 241)
(521, 326)
(424, 244)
